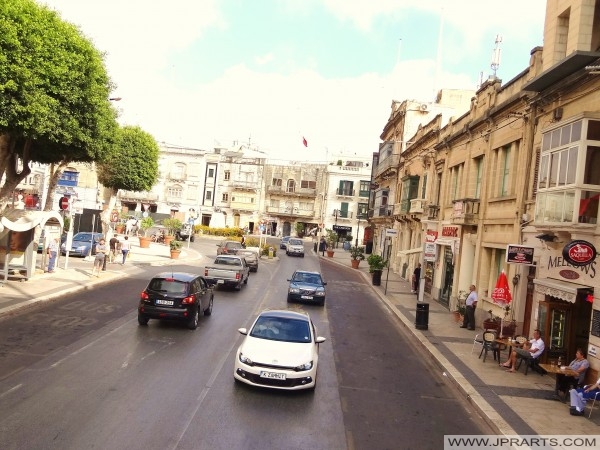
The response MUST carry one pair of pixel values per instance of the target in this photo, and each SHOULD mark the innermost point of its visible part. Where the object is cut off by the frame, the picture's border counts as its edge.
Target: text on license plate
(306, 297)
(220, 281)
(275, 375)
(164, 302)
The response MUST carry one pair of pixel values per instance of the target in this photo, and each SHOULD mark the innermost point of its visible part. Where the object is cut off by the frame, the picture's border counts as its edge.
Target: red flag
(304, 142)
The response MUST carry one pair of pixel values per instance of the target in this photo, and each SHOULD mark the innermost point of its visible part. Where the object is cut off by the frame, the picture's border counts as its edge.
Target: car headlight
(294, 290)
(305, 366)
(320, 294)
(245, 360)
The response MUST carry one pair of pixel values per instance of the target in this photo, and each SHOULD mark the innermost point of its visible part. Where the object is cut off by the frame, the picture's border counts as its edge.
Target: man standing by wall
(471, 304)
(52, 254)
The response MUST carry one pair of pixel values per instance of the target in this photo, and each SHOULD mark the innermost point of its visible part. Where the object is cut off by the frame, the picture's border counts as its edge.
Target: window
(503, 177)
(174, 191)
(305, 184)
(365, 187)
(227, 175)
(343, 211)
(291, 186)
(276, 182)
(208, 195)
(569, 174)
(478, 173)
(424, 186)
(225, 197)
(410, 189)
(455, 182)
(361, 210)
(211, 173)
(177, 171)
(345, 188)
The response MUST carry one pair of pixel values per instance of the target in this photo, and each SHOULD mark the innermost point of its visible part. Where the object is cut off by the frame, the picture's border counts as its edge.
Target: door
(448, 280)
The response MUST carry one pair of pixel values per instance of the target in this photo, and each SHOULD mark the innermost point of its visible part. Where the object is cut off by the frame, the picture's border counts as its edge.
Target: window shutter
(536, 172)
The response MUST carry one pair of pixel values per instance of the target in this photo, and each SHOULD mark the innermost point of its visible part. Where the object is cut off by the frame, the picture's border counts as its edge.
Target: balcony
(387, 168)
(134, 196)
(465, 211)
(382, 211)
(244, 185)
(345, 192)
(290, 212)
(242, 206)
(343, 215)
(418, 206)
(298, 192)
(433, 212)
(176, 177)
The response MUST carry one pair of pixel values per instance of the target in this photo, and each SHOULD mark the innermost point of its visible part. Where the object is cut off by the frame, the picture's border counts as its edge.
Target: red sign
(431, 236)
(579, 253)
(450, 231)
(63, 203)
(114, 216)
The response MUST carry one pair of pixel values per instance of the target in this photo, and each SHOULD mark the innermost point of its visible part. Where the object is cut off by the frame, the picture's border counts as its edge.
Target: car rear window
(168, 286)
(295, 242)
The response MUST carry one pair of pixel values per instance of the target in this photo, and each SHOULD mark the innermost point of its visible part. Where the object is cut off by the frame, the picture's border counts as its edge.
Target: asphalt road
(80, 373)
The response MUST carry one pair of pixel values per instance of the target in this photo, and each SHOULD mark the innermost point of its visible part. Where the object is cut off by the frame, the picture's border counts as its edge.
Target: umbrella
(501, 295)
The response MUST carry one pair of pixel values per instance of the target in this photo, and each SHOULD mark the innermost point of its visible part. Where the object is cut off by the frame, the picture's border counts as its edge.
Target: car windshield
(295, 241)
(168, 286)
(281, 329)
(233, 245)
(83, 237)
(309, 278)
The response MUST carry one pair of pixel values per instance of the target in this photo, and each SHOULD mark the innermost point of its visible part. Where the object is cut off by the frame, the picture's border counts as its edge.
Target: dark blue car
(306, 286)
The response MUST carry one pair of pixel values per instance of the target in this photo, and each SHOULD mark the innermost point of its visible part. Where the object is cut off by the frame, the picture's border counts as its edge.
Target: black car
(176, 296)
(306, 286)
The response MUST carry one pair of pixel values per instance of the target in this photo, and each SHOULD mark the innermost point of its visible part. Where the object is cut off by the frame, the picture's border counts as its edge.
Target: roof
(559, 71)
(25, 219)
(178, 276)
(285, 314)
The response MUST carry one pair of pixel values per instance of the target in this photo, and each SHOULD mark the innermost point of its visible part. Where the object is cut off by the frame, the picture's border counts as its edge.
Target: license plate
(274, 375)
(306, 297)
(220, 281)
(164, 302)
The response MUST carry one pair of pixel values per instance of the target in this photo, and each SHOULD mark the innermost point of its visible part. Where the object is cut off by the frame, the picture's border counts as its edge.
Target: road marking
(12, 389)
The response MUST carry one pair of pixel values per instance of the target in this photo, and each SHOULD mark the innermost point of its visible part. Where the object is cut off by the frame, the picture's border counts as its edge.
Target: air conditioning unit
(424, 107)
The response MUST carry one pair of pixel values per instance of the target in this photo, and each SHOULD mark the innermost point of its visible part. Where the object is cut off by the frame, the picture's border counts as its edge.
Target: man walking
(471, 304)
(416, 279)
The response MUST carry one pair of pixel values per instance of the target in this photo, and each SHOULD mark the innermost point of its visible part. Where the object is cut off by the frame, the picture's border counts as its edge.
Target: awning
(558, 288)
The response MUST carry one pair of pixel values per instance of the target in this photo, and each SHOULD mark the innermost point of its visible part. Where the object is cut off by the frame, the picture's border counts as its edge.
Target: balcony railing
(244, 185)
(289, 211)
(383, 211)
(343, 214)
(345, 192)
(433, 212)
(465, 211)
(297, 192)
(134, 196)
(418, 206)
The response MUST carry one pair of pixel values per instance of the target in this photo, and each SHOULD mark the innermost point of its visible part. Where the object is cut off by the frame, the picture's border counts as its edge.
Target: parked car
(283, 242)
(228, 247)
(83, 244)
(306, 286)
(186, 231)
(177, 296)
(251, 258)
(295, 246)
(281, 351)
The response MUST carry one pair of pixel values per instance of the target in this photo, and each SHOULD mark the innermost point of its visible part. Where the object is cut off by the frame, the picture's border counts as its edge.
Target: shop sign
(431, 236)
(341, 228)
(519, 254)
(579, 253)
(390, 232)
(450, 232)
(430, 253)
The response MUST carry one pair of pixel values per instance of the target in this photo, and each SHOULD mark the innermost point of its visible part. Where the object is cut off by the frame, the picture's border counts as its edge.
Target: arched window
(291, 185)
(174, 191)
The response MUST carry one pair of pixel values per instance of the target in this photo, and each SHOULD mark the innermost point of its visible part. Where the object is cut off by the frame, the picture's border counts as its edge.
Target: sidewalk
(512, 404)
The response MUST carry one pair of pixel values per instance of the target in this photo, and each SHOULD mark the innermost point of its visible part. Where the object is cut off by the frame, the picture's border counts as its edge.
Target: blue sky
(203, 73)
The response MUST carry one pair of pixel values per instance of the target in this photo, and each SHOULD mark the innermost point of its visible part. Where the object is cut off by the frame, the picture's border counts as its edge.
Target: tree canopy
(133, 165)
(54, 92)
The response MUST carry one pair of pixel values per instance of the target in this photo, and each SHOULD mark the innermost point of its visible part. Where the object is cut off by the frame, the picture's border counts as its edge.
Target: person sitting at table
(579, 396)
(531, 351)
(564, 381)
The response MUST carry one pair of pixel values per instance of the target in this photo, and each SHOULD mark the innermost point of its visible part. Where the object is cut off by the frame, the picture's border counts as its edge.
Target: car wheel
(192, 239)
(287, 253)
(289, 298)
(142, 320)
(246, 280)
(322, 302)
(302, 255)
(208, 310)
(238, 287)
(193, 322)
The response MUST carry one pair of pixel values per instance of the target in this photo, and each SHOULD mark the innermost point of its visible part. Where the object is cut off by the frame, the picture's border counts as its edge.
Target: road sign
(63, 203)
(391, 232)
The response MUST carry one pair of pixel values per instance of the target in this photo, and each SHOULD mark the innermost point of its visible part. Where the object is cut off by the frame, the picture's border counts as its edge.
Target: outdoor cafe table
(552, 368)
(508, 343)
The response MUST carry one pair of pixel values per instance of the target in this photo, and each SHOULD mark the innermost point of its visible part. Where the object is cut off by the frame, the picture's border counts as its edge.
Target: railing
(345, 192)
(465, 211)
(137, 196)
(391, 162)
(382, 211)
(418, 205)
(239, 184)
(289, 211)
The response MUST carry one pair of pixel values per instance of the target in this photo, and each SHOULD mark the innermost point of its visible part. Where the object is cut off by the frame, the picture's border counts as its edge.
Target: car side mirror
(324, 283)
(243, 331)
(320, 340)
(289, 279)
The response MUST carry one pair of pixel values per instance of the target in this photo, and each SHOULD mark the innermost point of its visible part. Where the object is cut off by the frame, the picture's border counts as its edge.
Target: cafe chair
(596, 397)
(489, 344)
(532, 363)
(477, 341)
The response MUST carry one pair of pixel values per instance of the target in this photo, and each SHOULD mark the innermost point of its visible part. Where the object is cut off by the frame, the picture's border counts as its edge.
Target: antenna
(496, 55)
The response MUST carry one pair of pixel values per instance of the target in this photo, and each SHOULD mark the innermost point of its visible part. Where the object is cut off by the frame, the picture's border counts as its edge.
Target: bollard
(270, 252)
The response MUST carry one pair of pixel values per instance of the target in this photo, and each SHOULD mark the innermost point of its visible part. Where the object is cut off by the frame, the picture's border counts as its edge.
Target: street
(79, 373)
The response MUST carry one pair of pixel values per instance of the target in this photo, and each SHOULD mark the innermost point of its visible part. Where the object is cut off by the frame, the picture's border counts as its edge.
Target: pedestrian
(416, 279)
(322, 246)
(244, 241)
(579, 397)
(112, 256)
(52, 251)
(471, 304)
(100, 255)
(125, 247)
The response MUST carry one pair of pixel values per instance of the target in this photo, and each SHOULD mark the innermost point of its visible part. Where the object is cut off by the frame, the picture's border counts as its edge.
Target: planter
(355, 263)
(376, 277)
(175, 254)
(168, 239)
(509, 329)
(120, 229)
(330, 253)
(458, 317)
(145, 242)
(491, 324)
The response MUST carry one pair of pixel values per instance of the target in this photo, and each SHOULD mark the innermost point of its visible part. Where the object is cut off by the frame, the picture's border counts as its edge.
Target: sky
(268, 73)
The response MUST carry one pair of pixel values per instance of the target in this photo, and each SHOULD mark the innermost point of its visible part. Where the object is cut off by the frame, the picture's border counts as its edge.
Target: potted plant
(175, 247)
(491, 323)
(376, 266)
(172, 225)
(461, 309)
(145, 224)
(357, 254)
(330, 238)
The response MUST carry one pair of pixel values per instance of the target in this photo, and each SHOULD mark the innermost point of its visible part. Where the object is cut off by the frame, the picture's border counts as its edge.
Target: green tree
(54, 91)
(132, 165)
